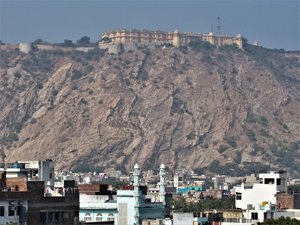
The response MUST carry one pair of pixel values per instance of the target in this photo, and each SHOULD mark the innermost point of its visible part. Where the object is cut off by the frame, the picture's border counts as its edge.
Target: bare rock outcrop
(220, 110)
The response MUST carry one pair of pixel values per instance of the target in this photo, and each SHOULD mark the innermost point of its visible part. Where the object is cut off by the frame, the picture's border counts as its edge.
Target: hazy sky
(273, 23)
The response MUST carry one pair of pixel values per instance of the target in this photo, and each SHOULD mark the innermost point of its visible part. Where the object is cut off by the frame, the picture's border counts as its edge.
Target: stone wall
(127, 37)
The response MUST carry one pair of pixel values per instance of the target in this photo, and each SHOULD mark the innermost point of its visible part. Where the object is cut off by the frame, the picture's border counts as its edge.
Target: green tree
(39, 41)
(281, 221)
(251, 135)
(84, 41)
(294, 188)
(198, 45)
(68, 43)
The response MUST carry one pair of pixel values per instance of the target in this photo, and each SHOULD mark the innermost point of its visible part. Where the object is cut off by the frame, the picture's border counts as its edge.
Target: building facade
(24, 201)
(266, 199)
(175, 38)
(127, 206)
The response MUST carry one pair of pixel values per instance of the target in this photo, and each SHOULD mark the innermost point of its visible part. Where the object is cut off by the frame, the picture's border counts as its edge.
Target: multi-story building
(128, 206)
(153, 38)
(265, 190)
(39, 170)
(267, 198)
(97, 203)
(26, 201)
(179, 180)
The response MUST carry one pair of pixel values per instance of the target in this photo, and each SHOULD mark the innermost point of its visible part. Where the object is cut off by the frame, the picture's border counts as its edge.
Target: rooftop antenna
(218, 26)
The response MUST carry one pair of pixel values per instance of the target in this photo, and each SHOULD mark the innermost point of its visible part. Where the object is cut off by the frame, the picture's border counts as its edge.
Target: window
(238, 196)
(110, 217)
(99, 217)
(1, 210)
(57, 217)
(51, 217)
(11, 210)
(51, 173)
(254, 216)
(87, 217)
(43, 217)
(18, 210)
(269, 181)
(278, 181)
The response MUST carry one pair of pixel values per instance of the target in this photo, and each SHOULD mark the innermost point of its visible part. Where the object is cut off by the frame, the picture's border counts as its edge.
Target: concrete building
(266, 199)
(40, 170)
(180, 218)
(128, 206)
(269, 185)
(179, 180)
(25, 202)
(97, 203)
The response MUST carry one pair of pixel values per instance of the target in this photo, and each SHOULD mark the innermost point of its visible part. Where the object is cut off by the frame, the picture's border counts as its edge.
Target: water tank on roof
(268, 206)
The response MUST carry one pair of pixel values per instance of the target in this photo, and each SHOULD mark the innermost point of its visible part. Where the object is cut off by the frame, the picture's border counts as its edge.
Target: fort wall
(152, 38)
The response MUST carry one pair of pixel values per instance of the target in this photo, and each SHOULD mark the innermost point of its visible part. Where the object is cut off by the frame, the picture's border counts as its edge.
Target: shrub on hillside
(198, 45)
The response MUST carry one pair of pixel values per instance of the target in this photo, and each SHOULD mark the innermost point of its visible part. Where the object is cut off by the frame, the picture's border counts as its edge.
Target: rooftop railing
(12, 165)
(239, 220)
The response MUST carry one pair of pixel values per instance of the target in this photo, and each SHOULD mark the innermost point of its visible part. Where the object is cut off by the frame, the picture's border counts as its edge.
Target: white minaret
(162, 187)
(136, 193)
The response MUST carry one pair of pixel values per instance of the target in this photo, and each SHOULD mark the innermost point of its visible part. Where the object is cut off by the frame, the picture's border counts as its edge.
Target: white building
(269, 185)
(178, 180)
(258, 201)
(180, 218)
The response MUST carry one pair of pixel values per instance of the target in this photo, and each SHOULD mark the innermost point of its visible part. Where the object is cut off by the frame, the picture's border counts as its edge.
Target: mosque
(128, 206)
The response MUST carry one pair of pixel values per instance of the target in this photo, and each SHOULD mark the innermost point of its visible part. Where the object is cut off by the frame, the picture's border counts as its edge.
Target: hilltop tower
(239, 41)
(176, 38)
(211, 38)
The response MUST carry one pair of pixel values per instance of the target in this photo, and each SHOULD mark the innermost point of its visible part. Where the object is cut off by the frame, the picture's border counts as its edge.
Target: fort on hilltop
(132, 38)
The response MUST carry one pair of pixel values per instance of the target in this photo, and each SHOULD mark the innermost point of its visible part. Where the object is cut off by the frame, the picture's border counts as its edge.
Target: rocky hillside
(219, 110)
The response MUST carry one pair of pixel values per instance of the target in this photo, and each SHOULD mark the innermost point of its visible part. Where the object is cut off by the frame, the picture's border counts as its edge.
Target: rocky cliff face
(219, 110)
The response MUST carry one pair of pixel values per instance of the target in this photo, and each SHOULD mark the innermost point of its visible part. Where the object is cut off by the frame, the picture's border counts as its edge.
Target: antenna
(218, 26)
(212, 28)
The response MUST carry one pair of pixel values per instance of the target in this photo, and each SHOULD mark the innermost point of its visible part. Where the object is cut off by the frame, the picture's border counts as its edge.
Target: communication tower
(218, 26)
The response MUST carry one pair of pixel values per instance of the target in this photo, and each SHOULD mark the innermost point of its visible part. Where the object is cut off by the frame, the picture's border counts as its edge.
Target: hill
(220, 110)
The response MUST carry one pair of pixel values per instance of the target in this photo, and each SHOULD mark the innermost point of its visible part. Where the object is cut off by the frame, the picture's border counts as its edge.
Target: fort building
(129, 37)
